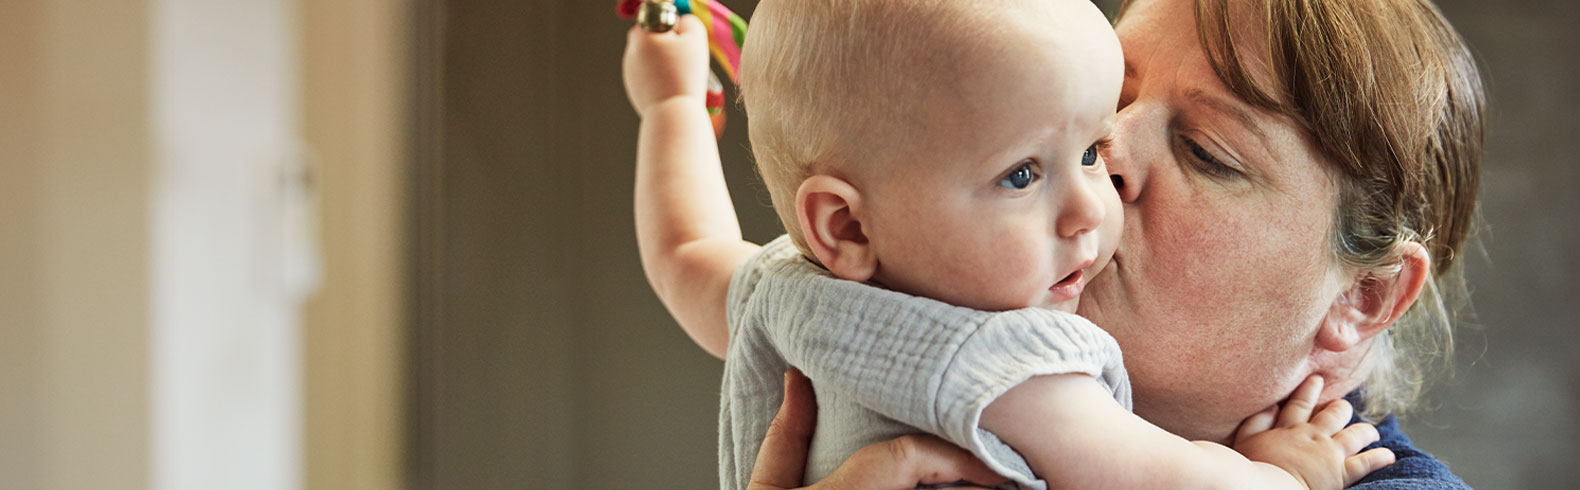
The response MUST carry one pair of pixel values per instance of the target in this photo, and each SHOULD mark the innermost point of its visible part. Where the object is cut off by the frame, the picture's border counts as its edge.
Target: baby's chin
(1048, 302)
(1068, 306)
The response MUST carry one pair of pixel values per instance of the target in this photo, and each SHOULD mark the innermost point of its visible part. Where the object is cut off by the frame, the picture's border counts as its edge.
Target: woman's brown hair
(1391, 95)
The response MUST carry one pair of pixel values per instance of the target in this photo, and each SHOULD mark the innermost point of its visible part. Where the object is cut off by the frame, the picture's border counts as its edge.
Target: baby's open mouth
(1070, 286)
(1070, 280)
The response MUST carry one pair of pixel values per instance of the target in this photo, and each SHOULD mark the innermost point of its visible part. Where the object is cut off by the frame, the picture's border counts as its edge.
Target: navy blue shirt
(1413, 469)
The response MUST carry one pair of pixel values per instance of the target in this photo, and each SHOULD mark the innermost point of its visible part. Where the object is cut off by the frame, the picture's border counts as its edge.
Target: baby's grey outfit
(885, 364)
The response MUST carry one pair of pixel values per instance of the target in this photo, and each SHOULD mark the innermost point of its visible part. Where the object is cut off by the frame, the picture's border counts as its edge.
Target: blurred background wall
(202, 224)
(356, 120)
(546, 358)
(1509, 417)
(75, 152)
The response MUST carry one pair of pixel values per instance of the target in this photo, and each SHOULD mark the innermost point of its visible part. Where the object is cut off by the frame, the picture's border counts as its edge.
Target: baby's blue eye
(1090, 157)
(1020, 178)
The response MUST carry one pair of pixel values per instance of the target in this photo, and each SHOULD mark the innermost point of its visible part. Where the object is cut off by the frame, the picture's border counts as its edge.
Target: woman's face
(1223, 273)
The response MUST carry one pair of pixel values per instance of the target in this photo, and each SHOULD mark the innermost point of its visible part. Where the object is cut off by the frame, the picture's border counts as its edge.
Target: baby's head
(940, 148)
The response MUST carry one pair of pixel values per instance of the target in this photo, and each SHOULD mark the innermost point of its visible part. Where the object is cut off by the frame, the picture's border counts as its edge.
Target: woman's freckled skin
(1220, 286)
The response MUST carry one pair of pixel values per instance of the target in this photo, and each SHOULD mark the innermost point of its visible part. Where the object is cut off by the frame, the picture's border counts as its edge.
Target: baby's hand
(1318, 450)
(662, 65)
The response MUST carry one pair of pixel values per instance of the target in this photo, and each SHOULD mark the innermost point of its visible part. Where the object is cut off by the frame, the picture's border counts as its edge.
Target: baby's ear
(830, 212)
(1375, 302)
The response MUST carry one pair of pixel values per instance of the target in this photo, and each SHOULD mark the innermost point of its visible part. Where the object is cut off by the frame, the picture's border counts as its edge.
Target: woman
(1294, 204)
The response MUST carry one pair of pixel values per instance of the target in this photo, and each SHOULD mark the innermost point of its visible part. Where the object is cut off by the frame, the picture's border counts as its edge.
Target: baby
(936, 165)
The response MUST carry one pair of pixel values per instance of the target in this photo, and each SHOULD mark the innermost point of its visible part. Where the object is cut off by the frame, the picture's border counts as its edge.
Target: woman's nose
(1132, 148)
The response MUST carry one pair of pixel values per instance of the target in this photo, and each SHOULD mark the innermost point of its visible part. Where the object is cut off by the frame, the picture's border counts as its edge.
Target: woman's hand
(900, 464)
(659, 66)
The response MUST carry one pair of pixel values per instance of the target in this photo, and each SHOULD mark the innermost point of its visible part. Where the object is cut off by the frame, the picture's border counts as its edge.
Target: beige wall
(76, 173)
(20, 356)
(354, 109)
(74, 167)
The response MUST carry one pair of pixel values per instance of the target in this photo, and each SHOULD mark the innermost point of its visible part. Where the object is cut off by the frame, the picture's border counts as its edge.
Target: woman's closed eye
(1021, 177)
(1207, 162)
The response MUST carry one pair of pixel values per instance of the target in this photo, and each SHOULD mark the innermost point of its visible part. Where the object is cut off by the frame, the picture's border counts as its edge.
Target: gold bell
(657, 15)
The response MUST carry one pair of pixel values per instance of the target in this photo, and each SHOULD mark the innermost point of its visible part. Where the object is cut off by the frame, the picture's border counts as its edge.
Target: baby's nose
(1081, 211)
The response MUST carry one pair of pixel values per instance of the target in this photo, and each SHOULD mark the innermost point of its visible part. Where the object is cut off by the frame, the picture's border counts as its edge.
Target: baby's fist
(663, 65)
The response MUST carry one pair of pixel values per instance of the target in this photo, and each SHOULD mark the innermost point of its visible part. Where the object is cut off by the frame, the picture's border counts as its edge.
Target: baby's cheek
(993, 276)
(1109, 235)
(1028, 273)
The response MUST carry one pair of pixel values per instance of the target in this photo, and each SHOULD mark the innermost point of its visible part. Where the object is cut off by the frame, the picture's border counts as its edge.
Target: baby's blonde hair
(830, 83)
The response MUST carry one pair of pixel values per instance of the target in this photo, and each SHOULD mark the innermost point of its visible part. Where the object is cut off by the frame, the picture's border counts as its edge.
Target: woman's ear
(1375, 302)
(830, 213)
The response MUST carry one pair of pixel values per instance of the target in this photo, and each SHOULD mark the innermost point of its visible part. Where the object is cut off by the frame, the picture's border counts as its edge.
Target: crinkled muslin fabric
(885, 364)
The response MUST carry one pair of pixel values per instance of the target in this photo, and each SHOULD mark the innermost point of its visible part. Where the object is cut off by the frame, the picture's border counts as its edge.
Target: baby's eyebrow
(1199, 96)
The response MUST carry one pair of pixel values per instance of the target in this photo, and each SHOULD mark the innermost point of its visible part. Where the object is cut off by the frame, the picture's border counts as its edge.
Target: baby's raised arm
(1074, 435)
(686, 227)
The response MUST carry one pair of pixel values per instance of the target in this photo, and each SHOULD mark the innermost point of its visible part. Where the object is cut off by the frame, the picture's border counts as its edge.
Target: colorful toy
(726, 32)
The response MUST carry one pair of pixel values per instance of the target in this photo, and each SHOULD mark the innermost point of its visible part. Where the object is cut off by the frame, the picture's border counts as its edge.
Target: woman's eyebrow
(1199, 96)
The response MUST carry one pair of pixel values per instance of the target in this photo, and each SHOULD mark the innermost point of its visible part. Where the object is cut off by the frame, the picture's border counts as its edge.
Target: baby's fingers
(1356, 437)
(1360, 465)
(1334, 416)
(1256, 424)
(1297, 410)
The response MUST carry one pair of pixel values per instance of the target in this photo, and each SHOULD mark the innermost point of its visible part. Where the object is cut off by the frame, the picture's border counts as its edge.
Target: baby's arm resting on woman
(686, 227)
(1074, 435)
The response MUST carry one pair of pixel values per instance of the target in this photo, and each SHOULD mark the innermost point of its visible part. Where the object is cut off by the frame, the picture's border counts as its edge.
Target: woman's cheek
(1217, 274)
